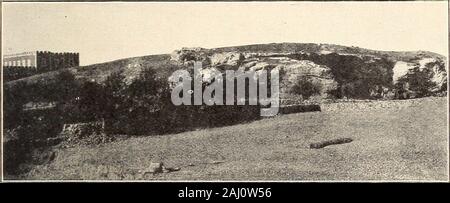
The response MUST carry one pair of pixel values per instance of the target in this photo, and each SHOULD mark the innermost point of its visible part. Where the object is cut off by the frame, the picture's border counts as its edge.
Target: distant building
(42, 61)
(16, 66)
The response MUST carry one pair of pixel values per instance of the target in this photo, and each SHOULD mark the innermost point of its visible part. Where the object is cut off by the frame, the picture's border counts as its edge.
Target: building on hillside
(42, 61)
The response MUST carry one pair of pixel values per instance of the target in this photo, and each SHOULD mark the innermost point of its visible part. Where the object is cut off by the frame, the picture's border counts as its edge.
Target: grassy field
(389, 144)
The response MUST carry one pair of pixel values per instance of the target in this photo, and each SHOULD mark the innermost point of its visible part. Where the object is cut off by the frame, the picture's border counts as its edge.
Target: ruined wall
(48, 61)
(25, 64)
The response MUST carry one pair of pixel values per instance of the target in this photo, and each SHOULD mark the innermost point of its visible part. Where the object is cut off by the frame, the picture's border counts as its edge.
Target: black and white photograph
(225, 91)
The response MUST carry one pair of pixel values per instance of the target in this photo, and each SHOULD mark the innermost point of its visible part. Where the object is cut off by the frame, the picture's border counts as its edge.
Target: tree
(306, 88)
(63, 88)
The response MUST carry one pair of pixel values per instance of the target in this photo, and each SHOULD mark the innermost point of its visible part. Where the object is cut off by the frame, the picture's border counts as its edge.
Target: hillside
(338, 71)
(332, 48)
(386, 102)
(98, 72)
(400, 140)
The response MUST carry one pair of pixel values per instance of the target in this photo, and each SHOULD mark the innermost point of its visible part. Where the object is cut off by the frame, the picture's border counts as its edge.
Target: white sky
(107, 31)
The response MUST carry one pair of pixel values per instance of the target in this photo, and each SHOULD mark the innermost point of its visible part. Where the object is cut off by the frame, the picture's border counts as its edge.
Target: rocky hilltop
(309, 72)
(314, 72)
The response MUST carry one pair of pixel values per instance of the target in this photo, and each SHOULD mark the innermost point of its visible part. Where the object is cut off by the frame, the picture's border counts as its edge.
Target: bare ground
(389, 143)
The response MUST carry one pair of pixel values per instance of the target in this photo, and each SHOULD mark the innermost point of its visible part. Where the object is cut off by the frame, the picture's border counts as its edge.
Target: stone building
(42, 61)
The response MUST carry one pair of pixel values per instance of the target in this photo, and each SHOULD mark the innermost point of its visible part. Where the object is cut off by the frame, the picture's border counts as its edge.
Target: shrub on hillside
(354, 75)
(145, 107)
(14, 72)
(63, 88)
(415, 84)
(306, 87)
(13, 102)
(132, 109)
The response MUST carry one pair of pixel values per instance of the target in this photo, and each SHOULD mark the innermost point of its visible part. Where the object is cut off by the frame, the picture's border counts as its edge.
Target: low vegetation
(131, 96)
(306, 87)
(389, 143)
(142, 107)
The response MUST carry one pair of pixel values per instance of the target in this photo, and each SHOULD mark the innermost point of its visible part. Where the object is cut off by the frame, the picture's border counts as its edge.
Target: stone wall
(26, 64)
(48, 61)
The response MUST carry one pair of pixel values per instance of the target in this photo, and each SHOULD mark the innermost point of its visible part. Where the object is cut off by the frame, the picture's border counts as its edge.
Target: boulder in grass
(158, 167)
(154, 168)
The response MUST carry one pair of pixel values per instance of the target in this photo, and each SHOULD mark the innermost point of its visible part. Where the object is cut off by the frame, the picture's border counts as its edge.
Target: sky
(103, 32)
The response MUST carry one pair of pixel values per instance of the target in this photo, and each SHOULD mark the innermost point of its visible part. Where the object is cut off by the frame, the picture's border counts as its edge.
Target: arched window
(29, 62)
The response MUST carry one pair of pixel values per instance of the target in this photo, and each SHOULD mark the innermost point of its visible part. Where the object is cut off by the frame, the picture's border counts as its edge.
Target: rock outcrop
(329, 71)
(186, 55)
(227, 58)
(421, 77)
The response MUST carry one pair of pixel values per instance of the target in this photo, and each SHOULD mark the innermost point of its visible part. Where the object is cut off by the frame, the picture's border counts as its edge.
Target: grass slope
(389, 144)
